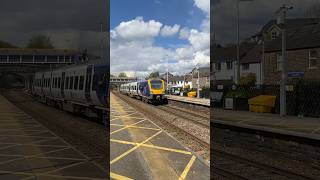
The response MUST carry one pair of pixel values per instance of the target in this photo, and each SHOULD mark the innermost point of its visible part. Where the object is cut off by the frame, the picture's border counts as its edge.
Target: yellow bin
(262, 103)
(192, 94)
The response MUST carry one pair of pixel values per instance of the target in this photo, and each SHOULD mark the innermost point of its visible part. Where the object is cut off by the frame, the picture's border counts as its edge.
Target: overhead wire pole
(282, 12)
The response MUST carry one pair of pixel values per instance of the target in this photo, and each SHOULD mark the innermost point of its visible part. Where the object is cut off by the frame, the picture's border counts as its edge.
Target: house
(303, 55)
(204, 77)
(272, 30)
(178, 80)
(223, 63)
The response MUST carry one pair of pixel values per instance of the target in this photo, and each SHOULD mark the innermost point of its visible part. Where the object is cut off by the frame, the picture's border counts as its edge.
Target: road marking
(126, 127)
(118, 177)
(187, 168)
(134, 148)
(152, 146)
(139, 127)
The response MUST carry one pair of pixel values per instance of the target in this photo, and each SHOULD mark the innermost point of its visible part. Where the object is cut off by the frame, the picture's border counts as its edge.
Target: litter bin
(262, 103)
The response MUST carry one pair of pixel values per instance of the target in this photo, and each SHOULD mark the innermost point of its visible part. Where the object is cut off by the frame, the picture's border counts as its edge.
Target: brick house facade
(297, 61)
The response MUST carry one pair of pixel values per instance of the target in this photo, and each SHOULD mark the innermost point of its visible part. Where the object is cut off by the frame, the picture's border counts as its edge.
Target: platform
(191, 100)
(139, 149)
(29, 150)
(302, 127)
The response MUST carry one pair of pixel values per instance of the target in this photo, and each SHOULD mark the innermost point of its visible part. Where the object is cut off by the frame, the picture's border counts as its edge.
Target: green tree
(154, 75)
(40, 42)
(122, 74)
(249, 80)
(4, 44)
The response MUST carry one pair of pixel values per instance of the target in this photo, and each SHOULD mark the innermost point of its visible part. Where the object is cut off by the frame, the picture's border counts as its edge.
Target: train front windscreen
(156, 84)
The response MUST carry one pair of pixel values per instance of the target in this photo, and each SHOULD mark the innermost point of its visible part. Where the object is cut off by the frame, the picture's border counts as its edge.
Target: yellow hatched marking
(152, 146)
(139, 127)
(126, 127)
(134, 148)
(118, 177)
(187, 168)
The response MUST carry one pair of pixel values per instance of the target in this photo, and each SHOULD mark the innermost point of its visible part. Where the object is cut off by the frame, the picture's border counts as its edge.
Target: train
(78, 89)
(149, 91)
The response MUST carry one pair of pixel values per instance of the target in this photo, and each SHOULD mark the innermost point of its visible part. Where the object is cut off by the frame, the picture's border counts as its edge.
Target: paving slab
(191, 100)
(142, 150)
(29, 150)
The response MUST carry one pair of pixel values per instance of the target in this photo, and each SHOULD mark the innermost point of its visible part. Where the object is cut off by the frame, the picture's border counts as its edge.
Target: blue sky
(138, 28)
(168, 12)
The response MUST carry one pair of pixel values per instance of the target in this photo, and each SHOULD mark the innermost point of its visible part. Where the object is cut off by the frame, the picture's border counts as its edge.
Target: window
(314, 57)
(245, 67)
(76, 82)
(218, 66)
(279, 62)
(274, 35)
(81, 83)
(229, 65)
(59, 82)
(71, 82)
(67, 83)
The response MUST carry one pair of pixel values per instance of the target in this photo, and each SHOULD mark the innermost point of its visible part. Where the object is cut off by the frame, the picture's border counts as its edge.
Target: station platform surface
(139, 149)
(304, 127)
(192, 100)
(29, 150)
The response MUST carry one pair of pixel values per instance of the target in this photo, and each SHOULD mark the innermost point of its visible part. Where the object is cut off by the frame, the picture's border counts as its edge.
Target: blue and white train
(77, 89)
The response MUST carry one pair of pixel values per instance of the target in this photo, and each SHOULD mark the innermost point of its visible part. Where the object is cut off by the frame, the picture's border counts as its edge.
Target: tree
(40, 42)
(122, 74)
(4, 44)
(249, 80)
(154, 75)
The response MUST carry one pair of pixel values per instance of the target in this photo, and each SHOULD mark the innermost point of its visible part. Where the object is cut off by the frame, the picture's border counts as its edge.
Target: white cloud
(199, 40)
(184, 33)
(136, 29)
(204, 5)
(167, 31)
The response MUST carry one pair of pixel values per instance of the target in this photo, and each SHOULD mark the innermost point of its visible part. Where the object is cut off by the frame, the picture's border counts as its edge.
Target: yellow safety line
(134, 148)
(149, 128)
(187, 168)
(152, 146)
(117, 117)
(118, 177)
(126, 127)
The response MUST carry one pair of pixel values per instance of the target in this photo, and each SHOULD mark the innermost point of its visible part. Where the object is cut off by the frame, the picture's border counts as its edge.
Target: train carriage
(151, 90)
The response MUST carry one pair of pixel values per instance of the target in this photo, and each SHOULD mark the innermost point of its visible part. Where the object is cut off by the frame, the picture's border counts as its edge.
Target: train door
(88, 83)
(62, 84)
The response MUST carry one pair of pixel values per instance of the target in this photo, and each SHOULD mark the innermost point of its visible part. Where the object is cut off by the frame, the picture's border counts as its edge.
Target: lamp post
(198, 82)
(282, 12)
(167, 73)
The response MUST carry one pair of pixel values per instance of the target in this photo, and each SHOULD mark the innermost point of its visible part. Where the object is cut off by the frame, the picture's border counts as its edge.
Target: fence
(302, 99)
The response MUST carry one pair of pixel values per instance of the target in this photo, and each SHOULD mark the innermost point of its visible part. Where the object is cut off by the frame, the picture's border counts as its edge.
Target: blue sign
(295, 74)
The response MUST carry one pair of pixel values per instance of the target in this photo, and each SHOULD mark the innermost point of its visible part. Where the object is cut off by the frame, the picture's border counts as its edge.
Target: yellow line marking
(152, 146)
(187, 168)
(119, 177)
(149, 128)
(126, 127)
(134, 148)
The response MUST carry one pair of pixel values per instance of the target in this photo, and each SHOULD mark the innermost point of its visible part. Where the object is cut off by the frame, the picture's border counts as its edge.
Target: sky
(253, 15)
(146, 34)
(69, 23)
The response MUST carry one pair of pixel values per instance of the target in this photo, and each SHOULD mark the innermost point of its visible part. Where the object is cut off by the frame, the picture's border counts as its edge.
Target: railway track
(248, 169)
(189, 115)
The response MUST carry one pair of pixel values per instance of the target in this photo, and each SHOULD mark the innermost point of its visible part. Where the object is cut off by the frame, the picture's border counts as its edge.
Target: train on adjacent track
(79, 89)
(151, 90)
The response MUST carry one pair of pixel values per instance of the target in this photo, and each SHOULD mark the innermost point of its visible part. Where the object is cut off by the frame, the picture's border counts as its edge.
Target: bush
(249, 80)
(237, 94)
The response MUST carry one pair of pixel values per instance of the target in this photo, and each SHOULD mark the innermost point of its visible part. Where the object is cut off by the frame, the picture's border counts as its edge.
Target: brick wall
(298, 60)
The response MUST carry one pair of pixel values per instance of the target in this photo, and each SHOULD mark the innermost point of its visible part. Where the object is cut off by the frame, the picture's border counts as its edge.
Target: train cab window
(67, 83)
(55, 83)
(76, 82)
(49, 82)
(71, 82)
(81, 83)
